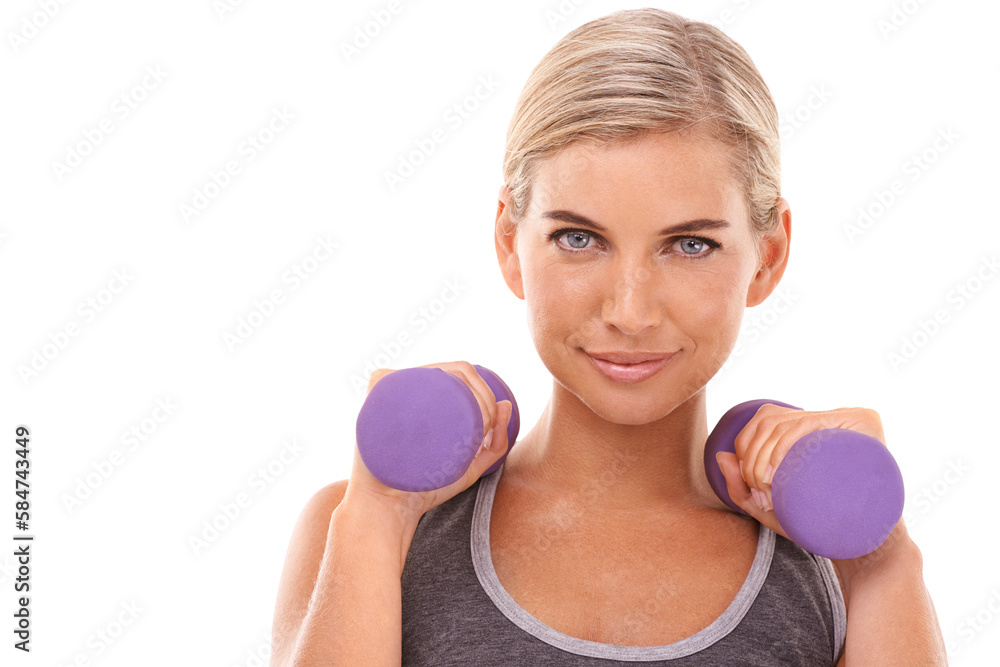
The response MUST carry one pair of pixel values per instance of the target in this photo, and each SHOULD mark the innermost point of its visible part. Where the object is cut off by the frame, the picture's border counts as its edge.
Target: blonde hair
(640, 71)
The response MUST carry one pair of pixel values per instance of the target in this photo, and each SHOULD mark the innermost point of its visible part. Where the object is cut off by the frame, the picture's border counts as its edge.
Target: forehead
(667, 174)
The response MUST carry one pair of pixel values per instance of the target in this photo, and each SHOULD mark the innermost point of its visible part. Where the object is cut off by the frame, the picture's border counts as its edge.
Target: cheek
(708, 308)
(555, 300)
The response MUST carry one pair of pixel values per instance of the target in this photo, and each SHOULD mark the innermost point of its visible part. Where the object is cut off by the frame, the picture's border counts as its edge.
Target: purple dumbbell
(837, 493)
(419, 428)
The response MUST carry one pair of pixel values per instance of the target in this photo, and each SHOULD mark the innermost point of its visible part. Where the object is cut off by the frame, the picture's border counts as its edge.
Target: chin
(632, 410)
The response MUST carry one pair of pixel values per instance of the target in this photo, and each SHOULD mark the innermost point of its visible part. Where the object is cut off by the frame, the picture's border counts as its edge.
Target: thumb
(483, 459)
(739, 491)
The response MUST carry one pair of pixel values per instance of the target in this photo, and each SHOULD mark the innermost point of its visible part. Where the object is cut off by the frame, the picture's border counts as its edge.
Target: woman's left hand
(764, 442)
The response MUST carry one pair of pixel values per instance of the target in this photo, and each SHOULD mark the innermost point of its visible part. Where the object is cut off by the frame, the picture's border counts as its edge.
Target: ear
(774, 257)
(504, 236)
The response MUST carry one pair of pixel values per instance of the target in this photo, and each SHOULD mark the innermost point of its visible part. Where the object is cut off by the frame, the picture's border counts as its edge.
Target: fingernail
(767, 474)
(757, 498)
(488, 439)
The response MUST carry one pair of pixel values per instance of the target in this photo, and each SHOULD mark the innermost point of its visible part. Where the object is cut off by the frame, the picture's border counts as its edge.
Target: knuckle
(741, 445)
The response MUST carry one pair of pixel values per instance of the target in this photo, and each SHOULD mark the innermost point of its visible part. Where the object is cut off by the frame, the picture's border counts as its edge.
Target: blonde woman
(640, 214)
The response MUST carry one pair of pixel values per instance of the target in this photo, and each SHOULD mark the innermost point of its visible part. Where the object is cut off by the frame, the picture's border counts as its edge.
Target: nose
(631, 305)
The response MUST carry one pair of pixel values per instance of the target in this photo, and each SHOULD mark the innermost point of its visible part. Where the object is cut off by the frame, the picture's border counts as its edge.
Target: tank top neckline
(483, 564)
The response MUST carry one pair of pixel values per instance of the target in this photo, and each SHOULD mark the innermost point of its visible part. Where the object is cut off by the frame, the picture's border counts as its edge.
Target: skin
(607, 461)
(629, 288)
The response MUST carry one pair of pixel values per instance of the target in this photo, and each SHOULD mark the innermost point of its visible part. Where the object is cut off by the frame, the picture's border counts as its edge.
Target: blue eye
(578, 240)
(701, 247)
(686, 244)
(574, 239)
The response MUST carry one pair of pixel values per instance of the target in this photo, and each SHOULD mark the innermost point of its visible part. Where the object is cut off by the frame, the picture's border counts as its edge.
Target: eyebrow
(685, 227)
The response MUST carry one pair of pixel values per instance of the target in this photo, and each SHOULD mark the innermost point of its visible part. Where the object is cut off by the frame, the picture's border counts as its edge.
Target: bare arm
(890, 615)
(339, 600)
(340, 595)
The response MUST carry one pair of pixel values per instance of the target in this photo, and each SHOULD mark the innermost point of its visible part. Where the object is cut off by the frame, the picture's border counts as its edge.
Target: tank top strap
(788, 611)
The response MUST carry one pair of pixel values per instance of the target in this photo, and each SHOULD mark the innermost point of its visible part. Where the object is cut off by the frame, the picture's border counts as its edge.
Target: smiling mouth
(629, 367)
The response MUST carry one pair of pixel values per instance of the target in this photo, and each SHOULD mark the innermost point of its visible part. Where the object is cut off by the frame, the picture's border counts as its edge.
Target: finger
(480, 390)
(737, 488)
(862, 420)
(774, 451)
(748, 444)
(740, 493)
(500, 439)
(787, 429)
(750, 437)
(788, 433)
(483, 458)
(769, 452)
(771, 422)
(753, 502)
(498, 444)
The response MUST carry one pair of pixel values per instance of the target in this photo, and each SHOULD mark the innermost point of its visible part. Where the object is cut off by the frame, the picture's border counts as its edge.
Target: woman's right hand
(413, 504)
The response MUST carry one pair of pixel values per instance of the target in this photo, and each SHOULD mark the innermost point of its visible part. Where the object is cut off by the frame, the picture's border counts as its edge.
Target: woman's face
(641, 249)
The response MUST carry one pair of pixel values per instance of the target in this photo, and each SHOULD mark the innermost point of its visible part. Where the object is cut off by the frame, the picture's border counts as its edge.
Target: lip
(629, 367)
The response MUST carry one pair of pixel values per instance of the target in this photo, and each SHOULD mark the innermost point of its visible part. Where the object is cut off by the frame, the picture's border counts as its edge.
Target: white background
(161, 336)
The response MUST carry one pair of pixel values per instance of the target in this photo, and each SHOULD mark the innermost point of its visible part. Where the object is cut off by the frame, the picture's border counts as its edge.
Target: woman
(640, 215)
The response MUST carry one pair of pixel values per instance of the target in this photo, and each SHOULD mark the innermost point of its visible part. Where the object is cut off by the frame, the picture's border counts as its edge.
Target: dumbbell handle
(837, 493)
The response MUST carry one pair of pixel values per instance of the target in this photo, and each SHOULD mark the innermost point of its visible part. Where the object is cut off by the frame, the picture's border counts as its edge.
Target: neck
(574, 452)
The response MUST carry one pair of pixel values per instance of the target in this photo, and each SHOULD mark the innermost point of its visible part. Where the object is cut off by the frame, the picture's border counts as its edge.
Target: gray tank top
(789, 611)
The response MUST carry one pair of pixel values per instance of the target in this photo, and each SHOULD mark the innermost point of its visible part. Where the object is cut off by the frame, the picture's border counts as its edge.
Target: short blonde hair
(639, 71)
